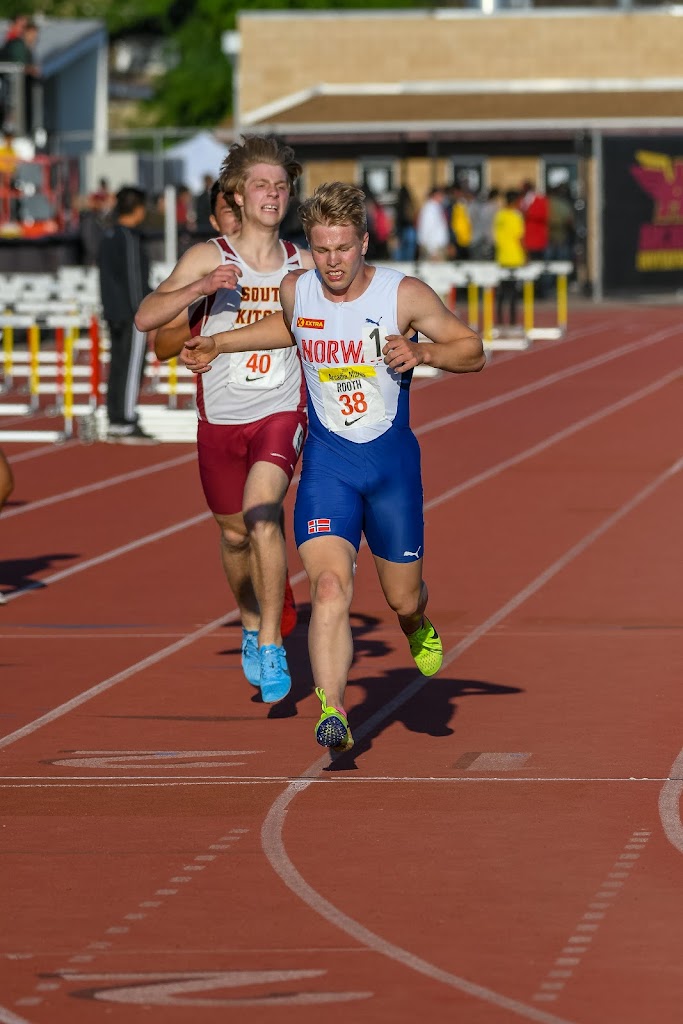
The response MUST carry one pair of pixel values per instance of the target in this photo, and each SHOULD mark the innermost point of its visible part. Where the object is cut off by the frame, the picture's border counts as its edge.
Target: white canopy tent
(202, 154)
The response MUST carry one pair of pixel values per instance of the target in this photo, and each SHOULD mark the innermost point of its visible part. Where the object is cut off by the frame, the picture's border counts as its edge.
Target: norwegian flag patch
(319, 526)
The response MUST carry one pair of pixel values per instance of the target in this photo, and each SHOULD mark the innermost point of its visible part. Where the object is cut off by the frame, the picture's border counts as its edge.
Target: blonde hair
(334, 204)
(255, 149)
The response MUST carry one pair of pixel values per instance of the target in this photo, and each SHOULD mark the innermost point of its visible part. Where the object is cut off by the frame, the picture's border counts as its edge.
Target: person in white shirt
(432, 227)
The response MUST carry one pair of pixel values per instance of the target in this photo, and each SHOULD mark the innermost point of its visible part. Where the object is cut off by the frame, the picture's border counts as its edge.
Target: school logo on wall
(660, 243)
(642, 213)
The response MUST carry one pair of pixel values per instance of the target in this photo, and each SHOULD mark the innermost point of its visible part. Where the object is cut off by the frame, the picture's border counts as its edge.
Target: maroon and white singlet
(246, 386)
(251, 405)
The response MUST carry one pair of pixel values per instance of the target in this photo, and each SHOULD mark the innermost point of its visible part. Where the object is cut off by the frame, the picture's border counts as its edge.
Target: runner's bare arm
(198, 272)
(271, 332)
(456, 348)
(168, 340)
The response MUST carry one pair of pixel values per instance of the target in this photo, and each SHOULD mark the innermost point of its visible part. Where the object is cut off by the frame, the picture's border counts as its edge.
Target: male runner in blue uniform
(355, 327)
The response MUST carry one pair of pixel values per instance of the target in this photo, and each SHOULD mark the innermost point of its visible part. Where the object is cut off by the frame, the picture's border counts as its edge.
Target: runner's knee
(330, 589)
(233, 541)
(407, 602)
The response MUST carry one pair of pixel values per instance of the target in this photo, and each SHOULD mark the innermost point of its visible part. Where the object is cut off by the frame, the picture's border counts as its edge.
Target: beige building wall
(316, 172)
(509, 172)
(284, 53)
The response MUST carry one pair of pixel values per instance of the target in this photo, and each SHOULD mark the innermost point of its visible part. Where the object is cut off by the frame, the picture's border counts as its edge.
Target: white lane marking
(182, 989)
(179, 759)
(126, 673)
(272, 839)
(548, 381)
(44, 449)
(124, 781)
(107, 556)
(576, 951)
(552, 439)
(670, 804)
(100, 485)
(7, 1017)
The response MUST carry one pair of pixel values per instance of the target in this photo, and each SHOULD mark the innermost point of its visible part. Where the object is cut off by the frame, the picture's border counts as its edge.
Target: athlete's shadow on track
(19, 572)
(430, 710)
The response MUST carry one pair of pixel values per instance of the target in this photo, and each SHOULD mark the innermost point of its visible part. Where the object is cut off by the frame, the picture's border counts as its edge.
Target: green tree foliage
(196, 90)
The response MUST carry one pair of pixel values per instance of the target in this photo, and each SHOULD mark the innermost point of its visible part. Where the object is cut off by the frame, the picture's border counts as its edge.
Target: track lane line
(100, 485)
(108, 556)
(552, 378)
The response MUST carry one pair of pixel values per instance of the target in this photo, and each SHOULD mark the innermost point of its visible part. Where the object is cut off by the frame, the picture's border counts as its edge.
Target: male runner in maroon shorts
(252, 418)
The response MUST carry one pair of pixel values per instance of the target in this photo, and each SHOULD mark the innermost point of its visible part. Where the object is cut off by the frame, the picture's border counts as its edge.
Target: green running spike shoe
(426, 648)
(332, 729)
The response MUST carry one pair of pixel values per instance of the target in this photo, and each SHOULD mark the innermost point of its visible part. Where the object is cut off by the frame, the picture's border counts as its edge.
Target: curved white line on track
(670, 804)
(271, 833)
(100, 485)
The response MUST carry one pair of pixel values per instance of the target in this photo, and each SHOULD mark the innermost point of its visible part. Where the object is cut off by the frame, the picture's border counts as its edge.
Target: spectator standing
(379, 227)
(483, 212)
(432, 226)
(534, 207)
(508, 234)
(406, 234)
(460, 223)
(202, 208)
(124, 282)
(15, 28)
(19, 49)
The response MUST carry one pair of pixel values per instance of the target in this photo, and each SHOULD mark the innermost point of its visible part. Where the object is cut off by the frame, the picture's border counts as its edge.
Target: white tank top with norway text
(242, 387)
(352, 392)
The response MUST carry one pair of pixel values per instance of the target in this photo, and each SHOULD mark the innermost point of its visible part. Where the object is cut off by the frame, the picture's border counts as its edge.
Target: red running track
(173, 850)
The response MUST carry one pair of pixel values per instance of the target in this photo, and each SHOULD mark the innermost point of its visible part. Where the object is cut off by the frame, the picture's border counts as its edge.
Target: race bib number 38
(260, 370)
(351, 397)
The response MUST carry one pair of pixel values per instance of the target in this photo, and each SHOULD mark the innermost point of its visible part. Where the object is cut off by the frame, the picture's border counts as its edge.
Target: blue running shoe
(251, 665)
(276, 681)
(332, 729)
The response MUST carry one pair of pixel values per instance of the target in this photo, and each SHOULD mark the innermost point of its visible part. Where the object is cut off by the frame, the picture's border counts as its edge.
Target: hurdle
(560, 270)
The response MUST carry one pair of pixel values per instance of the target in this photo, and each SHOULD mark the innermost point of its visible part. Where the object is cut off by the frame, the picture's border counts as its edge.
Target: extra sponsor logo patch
(319, 526)
(310, 324)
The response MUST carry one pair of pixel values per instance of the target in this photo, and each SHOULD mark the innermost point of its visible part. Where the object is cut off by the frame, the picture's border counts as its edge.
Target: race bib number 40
(262, 370)
(351, 397)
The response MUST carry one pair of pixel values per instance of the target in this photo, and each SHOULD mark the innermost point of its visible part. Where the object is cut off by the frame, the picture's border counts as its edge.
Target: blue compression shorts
(375, 489)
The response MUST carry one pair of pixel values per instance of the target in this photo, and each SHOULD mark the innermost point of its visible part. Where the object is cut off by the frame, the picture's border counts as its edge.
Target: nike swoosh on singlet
(260, 377)
(349, 422)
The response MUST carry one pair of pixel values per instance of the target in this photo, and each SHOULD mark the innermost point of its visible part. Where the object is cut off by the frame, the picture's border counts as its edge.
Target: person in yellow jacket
(460, 223)
(508, 239)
